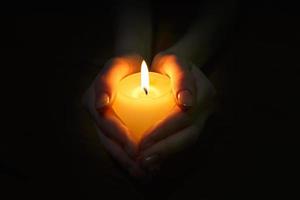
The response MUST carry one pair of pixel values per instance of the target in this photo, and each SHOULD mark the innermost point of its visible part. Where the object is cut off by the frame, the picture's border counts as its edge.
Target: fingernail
(185, 98)
(102, 101)
(150, 160)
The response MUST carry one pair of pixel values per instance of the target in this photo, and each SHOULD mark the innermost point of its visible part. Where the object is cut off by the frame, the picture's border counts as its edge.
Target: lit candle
(142, 99)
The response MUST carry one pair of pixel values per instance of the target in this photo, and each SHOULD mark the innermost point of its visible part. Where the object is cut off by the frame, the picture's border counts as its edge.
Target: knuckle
(163, 57)
(170, 57)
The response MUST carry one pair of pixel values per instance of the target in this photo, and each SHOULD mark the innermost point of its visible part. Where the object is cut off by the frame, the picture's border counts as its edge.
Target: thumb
(183, 88)
(106, 82)
(182, 80)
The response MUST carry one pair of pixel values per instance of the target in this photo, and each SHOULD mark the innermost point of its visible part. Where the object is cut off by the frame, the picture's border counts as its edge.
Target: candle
(142, 99)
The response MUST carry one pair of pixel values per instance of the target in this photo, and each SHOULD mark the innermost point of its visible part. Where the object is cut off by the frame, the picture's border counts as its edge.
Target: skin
(192, 90)
(177, 131)
(194, 94)
(97, 100)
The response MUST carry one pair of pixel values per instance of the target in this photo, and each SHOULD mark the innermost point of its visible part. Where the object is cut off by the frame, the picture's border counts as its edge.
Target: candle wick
(146, 91)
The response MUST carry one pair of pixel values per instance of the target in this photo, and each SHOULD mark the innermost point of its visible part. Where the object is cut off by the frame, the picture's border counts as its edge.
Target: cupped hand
(113, 134)
(194, 96)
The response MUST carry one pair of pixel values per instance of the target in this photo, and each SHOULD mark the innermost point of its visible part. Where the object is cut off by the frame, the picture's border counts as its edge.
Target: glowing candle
(142, 99)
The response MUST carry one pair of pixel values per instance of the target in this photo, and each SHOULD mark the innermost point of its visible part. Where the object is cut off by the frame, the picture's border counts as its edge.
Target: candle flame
(145, 77)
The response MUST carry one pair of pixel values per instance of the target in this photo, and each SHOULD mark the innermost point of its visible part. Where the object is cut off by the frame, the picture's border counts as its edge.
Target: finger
(176, 121)
(205, 91)
(107, 80)
(112, 126)
(118, 154)
(181, 78)
(109, 124)
(175, 143)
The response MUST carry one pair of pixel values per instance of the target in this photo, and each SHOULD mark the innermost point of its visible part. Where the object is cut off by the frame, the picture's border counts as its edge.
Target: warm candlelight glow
(145, 77)
(143, 99)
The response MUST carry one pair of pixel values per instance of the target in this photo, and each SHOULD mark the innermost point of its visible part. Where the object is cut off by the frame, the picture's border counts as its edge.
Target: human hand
(113, 134)
(194, 96)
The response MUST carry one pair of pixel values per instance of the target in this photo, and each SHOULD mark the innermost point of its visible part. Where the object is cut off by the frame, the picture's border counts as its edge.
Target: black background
(50, 54)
